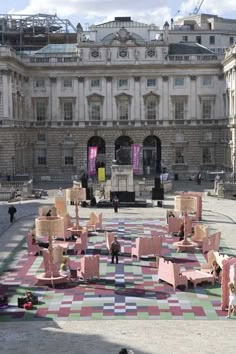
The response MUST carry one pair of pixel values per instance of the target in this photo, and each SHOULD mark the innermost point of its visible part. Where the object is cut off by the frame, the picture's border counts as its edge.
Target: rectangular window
(95, 83)
(1, 104)
(41, 110)
(199, 39)
(41, 137)
(179, 155)
(67, 83)
(68, 157)
(151, 109)
(123, 83)
(185, 38)
(207, 81)
(179, 110)
(124, 110)
(231, 40)
(68, 110)
(206, 155)
(95, 111)
(42, 157)
(151, 82)
(39, 83)
(206, 109)
(179, 81)
(212, 40)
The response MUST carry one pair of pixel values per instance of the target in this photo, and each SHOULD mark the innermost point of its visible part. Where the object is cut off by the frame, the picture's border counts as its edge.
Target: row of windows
(211, 40)
(179, 156)
(123, 83)
(179, 108)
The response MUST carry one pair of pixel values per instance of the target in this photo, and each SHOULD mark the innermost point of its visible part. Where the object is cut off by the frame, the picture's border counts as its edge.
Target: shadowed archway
(151, 155)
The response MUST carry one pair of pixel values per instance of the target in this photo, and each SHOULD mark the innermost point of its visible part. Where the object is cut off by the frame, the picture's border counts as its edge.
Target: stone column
(81, 99)
(193, 98)
(6, 93)
(165, 98)
(108, 99)
(137, 98)
(53, 104)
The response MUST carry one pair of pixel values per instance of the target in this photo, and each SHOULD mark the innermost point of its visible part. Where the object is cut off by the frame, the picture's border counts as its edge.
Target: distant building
(122, 83)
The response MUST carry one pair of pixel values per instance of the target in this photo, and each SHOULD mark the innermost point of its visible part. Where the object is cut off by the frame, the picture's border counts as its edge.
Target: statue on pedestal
(122, 157)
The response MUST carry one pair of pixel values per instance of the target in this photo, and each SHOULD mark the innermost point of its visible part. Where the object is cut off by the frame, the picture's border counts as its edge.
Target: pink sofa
(89, 267)
(170, 273)
(147, 246)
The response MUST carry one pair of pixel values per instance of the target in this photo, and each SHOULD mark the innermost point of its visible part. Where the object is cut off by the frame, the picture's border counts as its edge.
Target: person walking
(12, 210)
(115, 203)
(115, 249)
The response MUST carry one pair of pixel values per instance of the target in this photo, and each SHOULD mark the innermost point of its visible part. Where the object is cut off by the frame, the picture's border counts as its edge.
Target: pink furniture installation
(109, 236)
(190, 203)
(93, 222)
(198, 212)
(211, 243)
(170, 273)
(228, 275)
(147, 246)
(89, 267)
(197, 276)
(185, 245)
(200, 232)
(33, 249)
(155, 233)
(81, 242)
(211, 257)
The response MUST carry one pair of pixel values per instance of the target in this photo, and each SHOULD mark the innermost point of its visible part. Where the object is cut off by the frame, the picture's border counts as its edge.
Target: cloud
(94, 11)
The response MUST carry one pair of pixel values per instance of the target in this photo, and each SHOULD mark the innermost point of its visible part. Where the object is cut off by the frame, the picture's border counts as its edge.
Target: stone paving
(128, 291)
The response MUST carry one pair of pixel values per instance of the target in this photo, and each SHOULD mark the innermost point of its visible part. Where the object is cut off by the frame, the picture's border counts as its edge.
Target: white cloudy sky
(97, 11)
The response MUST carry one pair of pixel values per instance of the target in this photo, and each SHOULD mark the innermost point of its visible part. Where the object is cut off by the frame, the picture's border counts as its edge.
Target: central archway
(101, 152)
(125, 143)
(151, 155)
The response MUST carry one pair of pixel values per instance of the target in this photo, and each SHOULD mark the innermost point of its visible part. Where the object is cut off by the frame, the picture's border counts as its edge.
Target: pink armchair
(93, 222)
(89, 267)
(211, 243)
(81, 242)
(170, 273)
(147, 246)
(33, 249)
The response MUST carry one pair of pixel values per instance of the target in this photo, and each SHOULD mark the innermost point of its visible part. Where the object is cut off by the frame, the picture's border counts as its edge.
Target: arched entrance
(124, 143)
(101, 152)
(151, 155)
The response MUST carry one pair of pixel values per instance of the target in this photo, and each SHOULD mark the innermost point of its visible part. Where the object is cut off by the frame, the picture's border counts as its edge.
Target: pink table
(197, 277)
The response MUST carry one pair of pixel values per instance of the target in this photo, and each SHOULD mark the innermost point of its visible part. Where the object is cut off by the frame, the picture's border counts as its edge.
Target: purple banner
(135, 157)
(92, 160)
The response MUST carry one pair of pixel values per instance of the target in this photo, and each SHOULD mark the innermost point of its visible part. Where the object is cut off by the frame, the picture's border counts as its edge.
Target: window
(199, 39)
(67, 83)
(95, 83)
(95, 53)
(123, 53)
(41, 157)
(179, 81)
(123, 108)
(68, 111)
(68, 157)
(151, 108)
(123, 83)
(179, 110)
(231, 40)
(41, 137)
(39, 83)
(185, 38)
(151, 82)
(41, 110)
(212, 40)
(179, 155)
(206, 155)
(94, 110)
(206, 109)
(151, 53)
(207, 81)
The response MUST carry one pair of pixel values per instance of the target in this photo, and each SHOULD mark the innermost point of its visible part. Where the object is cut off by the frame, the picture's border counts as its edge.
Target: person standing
(12, 211)
(115, 249)
(115, 203)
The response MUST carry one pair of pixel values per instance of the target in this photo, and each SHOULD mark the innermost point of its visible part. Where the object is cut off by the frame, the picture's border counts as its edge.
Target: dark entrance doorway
(101, 153)
(151, 155)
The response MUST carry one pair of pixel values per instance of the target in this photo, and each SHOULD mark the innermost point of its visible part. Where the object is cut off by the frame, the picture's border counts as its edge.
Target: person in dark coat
(115, 249)
(12, 211)
(115, 204)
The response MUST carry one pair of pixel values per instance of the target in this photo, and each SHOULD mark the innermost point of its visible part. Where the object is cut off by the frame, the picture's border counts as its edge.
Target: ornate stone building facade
(122, 83)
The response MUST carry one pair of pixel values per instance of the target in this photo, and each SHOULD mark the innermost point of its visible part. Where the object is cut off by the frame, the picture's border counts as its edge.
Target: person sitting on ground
(64, 268)
(216, 271)
(232, 299)
(49, 213)
(181, 232)
(171, 215)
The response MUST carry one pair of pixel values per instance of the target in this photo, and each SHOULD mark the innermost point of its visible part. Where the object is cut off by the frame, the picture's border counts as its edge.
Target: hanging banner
(92, 160)
(135, 157)
(101, 174)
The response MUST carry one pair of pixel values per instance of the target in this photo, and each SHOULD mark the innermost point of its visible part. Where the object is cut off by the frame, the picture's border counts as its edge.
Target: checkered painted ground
(128, 290)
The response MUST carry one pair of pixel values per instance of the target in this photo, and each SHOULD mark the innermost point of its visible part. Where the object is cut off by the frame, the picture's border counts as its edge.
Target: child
(232, 299)
(64, 268)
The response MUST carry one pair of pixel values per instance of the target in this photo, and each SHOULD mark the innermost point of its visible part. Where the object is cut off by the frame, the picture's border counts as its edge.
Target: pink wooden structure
(211, 257)
(185, 245)
(174, 224)
(191, 203)
(33, 249)
(67, 224)
(228, 275)
(109, 239)
(170, 273)
(92, 222)
(198, 216)
(81, 242)
(197, 276)
(155, 233)
(89, 267)
(200, 232)
(99, 222)
(147, 246)
(211, 243)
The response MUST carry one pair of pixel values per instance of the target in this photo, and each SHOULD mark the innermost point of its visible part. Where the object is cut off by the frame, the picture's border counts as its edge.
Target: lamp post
(13, 166)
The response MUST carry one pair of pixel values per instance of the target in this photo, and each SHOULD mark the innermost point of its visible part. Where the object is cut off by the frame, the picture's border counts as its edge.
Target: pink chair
(33, 249)
(170, 273)
(81, 242)
(99, 222)
(109, 236)
(211, 243)
(89, 267)
(200, 232)
(93, 222)
(147, 247)
(174, 224)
